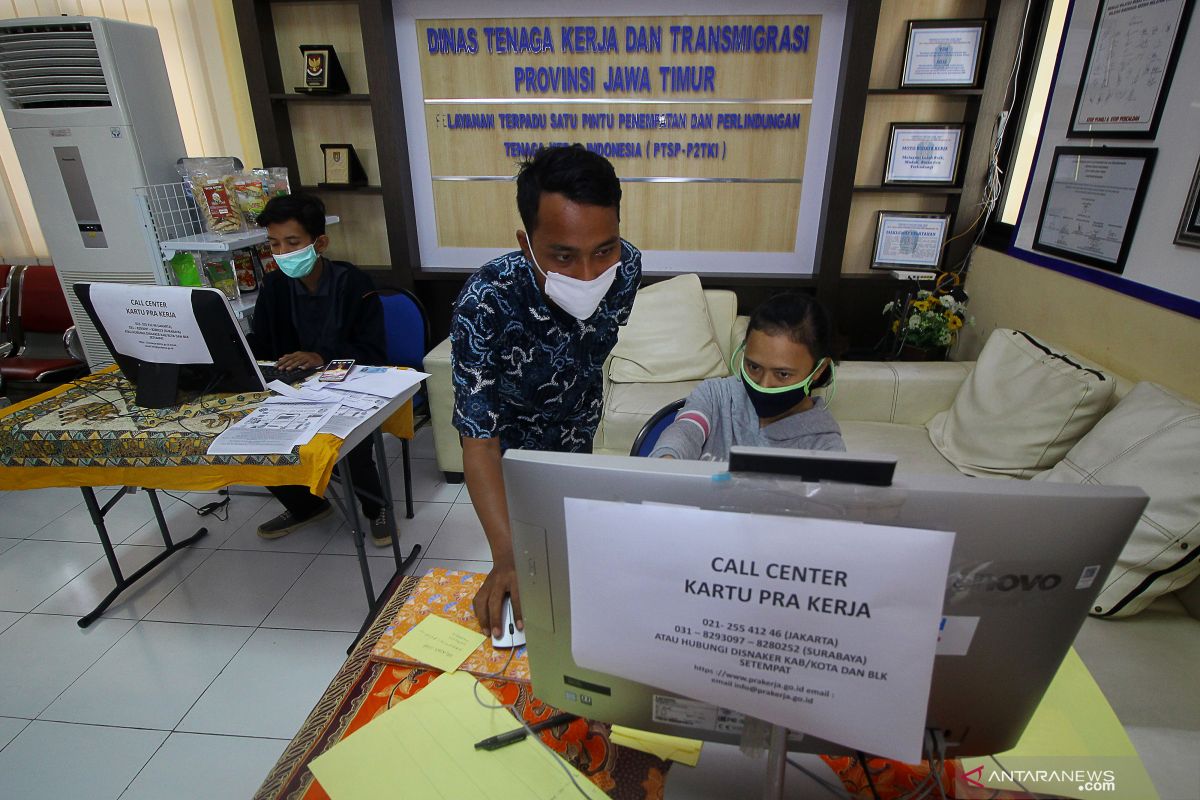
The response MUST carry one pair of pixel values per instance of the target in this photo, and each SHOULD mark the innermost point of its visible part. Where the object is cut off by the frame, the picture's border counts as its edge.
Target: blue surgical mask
(298, 263)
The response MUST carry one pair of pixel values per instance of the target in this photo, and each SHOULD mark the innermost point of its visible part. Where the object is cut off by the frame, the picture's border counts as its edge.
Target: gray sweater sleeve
(684, 439)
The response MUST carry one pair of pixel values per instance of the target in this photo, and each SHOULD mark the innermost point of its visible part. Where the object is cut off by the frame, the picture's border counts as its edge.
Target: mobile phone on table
(337, 370)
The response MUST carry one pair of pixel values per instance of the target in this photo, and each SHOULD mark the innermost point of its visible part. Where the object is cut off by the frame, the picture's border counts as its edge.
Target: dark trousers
(301, 502)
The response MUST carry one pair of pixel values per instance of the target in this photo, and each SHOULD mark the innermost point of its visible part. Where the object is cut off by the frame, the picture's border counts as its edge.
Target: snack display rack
(172, 223)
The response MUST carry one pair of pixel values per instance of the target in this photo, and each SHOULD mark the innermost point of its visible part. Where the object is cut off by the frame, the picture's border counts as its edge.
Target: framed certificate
(1130, 60)
(1189, 223)
(923, 154)
(909, 240)
(1092, 202)
(943, 53)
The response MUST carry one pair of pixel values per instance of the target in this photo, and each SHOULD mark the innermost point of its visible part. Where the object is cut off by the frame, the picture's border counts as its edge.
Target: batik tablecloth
(90, 433)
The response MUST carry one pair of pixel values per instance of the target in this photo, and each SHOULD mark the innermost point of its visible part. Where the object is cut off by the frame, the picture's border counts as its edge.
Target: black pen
(503, 739)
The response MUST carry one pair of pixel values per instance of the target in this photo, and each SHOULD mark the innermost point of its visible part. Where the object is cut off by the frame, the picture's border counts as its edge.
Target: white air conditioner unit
(90, 109)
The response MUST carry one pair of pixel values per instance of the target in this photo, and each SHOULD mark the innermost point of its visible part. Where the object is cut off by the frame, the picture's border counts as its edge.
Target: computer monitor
(981, 701)
(171, 338)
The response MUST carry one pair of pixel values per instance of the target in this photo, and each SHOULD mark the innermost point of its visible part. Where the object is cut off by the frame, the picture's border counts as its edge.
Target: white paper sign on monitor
(826, 627)
(151, 323)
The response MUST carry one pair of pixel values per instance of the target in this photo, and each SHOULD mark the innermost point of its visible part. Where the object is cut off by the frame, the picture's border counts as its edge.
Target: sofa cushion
(1152, 440)
(908, 392)
(1021, 408)
(910, 444)
(628, 406)
(669, 337)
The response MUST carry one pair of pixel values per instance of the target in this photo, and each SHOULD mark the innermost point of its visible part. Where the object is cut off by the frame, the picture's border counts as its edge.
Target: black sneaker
(380, 534)
(287, 522)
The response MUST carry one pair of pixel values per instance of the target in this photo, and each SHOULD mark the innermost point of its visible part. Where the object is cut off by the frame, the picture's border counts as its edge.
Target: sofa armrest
(441, 408)
(904, 392)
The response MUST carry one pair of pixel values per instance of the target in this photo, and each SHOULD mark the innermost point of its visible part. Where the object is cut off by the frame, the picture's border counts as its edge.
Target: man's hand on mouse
(301, 359)
(489, 600)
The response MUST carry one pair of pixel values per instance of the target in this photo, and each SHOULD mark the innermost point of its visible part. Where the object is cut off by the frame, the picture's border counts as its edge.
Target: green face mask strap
(832, 384)
(804, 384)
(733, 358)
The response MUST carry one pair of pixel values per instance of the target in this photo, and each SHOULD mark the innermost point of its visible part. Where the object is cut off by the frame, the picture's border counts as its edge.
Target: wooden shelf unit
(378, 220)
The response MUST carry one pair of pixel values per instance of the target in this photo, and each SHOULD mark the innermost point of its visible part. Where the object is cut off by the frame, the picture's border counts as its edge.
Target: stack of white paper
(273, 428)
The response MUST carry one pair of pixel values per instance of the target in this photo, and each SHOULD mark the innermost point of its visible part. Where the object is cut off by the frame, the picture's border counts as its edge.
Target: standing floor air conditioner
(90, 109)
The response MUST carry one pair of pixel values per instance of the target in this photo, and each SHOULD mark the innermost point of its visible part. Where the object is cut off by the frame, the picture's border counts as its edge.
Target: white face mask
(578, 298)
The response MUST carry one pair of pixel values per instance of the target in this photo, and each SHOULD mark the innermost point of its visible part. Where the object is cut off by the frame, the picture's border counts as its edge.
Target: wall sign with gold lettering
(707, 118)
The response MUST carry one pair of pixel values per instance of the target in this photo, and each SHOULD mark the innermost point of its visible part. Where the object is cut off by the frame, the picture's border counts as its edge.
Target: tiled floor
(214, 659)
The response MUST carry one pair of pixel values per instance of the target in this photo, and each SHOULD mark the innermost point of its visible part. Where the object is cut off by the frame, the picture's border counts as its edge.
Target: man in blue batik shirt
(530, 333)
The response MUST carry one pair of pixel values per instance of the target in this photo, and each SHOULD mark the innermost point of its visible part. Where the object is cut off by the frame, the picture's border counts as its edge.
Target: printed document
(151, 323)
(273, 428)
(823, 626)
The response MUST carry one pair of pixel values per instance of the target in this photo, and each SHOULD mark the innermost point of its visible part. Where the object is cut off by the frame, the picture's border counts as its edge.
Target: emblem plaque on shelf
(322, 71)
(342, 167)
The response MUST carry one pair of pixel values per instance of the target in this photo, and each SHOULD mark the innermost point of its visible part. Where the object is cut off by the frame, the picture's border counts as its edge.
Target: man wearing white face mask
(530, 333)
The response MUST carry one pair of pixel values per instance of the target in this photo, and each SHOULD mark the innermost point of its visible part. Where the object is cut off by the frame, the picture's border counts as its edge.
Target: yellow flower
(955, 322)
(895, 325)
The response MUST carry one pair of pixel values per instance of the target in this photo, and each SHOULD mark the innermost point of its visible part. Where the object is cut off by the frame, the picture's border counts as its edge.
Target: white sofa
(1144, 664)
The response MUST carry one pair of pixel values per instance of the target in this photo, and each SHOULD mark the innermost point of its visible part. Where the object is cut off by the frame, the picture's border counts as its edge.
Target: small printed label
(1088, 576)
(60, 131)
(691, 714)
(955, 635)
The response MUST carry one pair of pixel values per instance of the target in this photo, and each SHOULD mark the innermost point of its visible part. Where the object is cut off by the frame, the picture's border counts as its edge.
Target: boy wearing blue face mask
(768, 400)
(309, 312)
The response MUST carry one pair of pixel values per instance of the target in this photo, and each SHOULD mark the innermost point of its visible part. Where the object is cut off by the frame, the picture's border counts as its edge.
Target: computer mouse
(509, 635)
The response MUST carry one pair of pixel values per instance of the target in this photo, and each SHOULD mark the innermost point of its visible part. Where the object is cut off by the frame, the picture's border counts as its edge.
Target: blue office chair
(406, 328)
(647, 437)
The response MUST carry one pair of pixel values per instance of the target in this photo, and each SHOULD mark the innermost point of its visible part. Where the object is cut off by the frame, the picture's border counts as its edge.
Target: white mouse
(509, 635)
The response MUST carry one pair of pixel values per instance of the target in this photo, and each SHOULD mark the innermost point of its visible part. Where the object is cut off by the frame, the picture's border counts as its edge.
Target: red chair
(39, 318)
(5, 343)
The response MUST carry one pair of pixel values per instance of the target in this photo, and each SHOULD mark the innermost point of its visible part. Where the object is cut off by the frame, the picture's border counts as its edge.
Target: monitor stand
(157, 384)
(776, 763)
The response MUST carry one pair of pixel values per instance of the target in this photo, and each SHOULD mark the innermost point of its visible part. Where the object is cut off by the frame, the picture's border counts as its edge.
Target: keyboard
(273, 373)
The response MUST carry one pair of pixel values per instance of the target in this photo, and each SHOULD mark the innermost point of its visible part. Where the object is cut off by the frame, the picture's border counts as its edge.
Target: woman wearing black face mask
(768, 400)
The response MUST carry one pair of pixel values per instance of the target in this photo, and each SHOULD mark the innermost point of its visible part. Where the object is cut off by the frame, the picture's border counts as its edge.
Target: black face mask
(772, 404)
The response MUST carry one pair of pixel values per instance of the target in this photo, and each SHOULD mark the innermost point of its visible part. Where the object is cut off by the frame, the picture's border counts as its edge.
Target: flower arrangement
(931, 320)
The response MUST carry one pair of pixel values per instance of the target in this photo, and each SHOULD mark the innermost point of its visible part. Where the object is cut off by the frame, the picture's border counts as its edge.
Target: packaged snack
(184, 269)
(221, 276)
(266, 261)
(220, 165)
(217, 198)
(251, 196)
(243, 267)
(275, 180)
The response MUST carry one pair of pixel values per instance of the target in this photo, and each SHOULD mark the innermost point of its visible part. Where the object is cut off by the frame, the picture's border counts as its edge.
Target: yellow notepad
(668, 748)
(1073, 734)
(440, 643)
(424, 748)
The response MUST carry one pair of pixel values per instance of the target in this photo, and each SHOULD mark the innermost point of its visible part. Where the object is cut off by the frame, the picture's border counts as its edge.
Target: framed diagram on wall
(1092, 202)
(1189, 223)
(1127, 73)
